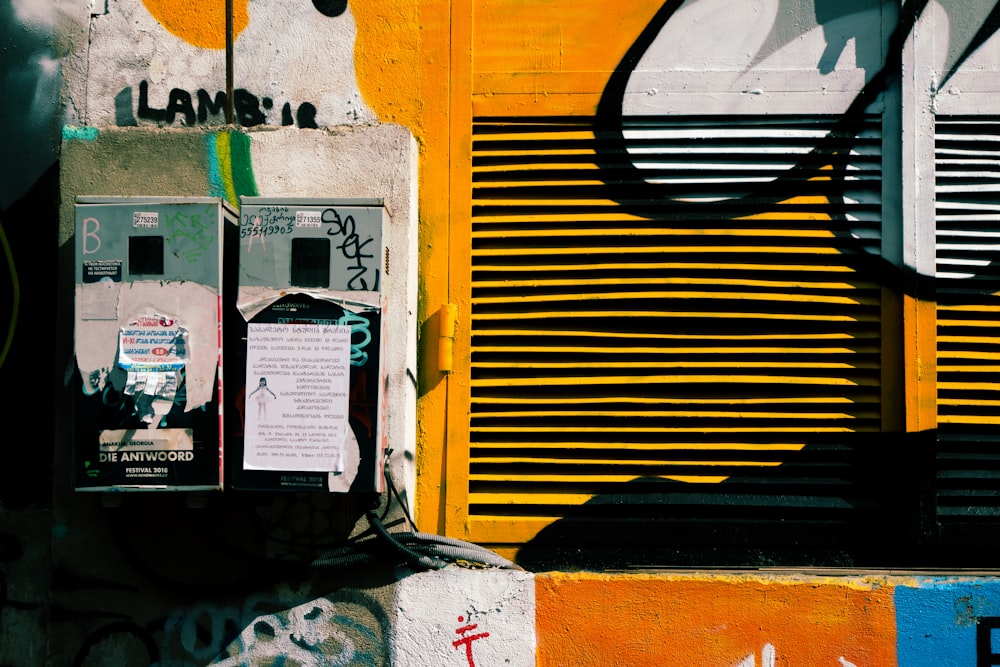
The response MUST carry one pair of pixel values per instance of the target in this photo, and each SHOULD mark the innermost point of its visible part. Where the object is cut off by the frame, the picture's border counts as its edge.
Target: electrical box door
(148, 329)
(309, 413)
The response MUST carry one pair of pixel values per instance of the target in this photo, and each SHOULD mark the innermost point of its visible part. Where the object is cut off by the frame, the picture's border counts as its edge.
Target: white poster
(298, 380)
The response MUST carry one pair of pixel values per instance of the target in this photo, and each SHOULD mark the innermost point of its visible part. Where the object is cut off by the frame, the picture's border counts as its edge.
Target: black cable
(424, 561)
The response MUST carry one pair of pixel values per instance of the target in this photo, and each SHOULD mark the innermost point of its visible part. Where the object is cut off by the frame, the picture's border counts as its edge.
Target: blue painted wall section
(948, 623)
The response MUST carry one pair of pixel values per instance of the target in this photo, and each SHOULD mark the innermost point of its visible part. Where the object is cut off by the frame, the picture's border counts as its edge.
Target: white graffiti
(306, 635)
(767, 659)
(265, 630)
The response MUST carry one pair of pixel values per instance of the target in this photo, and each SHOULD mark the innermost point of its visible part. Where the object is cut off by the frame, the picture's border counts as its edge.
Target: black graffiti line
(832, 150)
(359, 268)
(15, 297)
(985, 656)
(351, 248)
(250, 110)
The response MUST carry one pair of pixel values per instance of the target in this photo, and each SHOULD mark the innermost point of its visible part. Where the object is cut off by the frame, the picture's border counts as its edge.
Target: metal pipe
(229, 63)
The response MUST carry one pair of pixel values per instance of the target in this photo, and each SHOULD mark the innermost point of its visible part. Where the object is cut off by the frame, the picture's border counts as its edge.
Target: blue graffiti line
(216, 188)
(359, 326)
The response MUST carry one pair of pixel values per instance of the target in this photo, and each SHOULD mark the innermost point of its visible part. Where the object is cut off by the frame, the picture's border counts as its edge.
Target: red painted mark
(467, 640)
(359, 408)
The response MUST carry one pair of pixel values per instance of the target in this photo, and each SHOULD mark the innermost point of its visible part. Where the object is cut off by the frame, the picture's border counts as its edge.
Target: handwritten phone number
(251, 230)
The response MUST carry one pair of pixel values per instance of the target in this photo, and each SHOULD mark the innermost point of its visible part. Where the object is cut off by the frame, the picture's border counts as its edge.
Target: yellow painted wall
(430, 66)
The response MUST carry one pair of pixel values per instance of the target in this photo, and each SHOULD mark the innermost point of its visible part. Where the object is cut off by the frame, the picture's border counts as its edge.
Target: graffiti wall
(747, 620)
(721, 271)
(173, 57)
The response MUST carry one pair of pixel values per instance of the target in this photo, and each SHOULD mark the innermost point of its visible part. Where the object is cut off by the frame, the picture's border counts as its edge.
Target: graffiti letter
(359, 326)
(207, 106)
(985, 628)
(306, 116)
(180, 101)
(91, 232)
(123, 108)
(248, 111)
(144, 110)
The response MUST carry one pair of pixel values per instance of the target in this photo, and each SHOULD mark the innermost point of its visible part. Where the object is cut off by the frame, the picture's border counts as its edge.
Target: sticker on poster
(297, 386)
(153, 349)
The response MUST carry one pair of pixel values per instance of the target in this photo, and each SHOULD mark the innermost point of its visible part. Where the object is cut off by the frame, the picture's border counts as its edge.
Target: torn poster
(152, 349)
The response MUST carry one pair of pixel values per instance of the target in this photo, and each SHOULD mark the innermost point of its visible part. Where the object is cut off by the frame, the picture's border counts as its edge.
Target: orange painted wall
(685, 621)
(201, 24)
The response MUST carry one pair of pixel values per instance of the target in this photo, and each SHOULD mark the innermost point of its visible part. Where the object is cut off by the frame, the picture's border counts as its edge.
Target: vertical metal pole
(229, 62)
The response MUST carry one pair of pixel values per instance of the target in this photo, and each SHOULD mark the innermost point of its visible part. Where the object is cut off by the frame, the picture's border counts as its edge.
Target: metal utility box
(150, 298)
(309, 412)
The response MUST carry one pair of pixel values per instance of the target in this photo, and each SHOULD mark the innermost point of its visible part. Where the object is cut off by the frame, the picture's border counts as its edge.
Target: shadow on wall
(156, 579)
(29, 352)
(826, 505)
(876, 500)
(850, 499)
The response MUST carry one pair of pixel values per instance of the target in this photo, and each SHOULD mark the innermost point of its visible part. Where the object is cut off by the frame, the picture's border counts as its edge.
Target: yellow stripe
(603, 380)
(579, 479)
(619, 216)
(989, 386)
(632, 446)
(969, 402)
(557, 135)
(617, 462)
(538, 268)
(572, 400)
(483, 184)
(719, 414)
(224, 151)
(729, 349)
(728, 366)
(673, 336)
(636, 429)
(505, 169)
(757, 250)
(608, 296)
(966, 419)
(547, 314)
(531, 498)
(968, 339)
(979, 324)
(572, 499)
(968, 354)
(978, 308)
(746, 282)
(619, 232)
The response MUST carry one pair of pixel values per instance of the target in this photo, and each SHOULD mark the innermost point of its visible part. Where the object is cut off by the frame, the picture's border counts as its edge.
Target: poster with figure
(298, 382)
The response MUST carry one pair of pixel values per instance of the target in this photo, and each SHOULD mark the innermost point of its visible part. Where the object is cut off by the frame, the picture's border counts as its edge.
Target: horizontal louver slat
(967, 216)
(686, 314)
